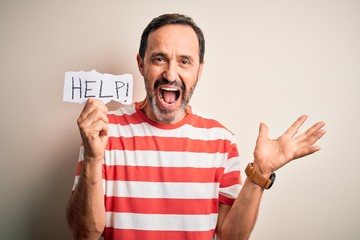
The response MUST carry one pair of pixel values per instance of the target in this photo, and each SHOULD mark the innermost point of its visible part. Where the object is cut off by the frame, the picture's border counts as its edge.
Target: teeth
(169, 89)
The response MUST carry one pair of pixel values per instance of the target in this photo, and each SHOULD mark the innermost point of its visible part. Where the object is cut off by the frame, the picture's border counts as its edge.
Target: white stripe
(201, 114)
(165, 222)
(76, 181)
(162, 189)
(233, 164)
(128, 110)
(232, 191)
(165, 190)
(186, 131)
(165, 159)
(81, 153)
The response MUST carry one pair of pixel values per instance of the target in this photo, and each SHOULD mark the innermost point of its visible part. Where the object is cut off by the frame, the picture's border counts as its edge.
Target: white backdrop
(266, 61)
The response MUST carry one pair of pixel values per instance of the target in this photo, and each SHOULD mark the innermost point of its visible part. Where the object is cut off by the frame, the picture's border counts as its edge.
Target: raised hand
(270, 155)
(93, 126)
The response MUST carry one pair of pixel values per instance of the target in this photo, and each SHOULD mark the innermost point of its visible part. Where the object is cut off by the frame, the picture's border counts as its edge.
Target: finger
(90, 105)
(93, 103)
(292, 131)
(93, 117)
(311, 131)
(100, 127)
(313, 138)
(104, 130)
(95, 139)
(263, 130)
(97, 129)
(306, 151)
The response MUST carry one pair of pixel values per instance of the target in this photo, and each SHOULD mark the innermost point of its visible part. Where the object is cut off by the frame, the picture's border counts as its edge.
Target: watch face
(272, 178)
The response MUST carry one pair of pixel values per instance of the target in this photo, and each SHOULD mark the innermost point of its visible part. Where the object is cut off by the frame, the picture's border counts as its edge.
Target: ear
(140, 64)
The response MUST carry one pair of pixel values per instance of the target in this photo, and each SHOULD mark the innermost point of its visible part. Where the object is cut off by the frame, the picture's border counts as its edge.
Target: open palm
(270, 155)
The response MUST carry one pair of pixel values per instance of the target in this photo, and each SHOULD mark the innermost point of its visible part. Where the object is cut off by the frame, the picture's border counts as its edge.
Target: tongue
(169, 96)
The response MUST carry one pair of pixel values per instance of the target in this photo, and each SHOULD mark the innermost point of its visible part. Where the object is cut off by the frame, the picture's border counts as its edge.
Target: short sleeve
(230, 183)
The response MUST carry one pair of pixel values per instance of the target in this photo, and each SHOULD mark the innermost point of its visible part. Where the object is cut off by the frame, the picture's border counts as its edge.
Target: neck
(146, 108)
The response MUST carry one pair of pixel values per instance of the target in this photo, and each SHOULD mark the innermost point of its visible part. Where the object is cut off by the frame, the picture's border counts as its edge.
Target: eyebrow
(160, 54)
(188, 57)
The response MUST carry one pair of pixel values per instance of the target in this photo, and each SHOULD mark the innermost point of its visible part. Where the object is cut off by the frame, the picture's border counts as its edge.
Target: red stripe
(200, 122)
(161, 205)
(167, 144)
(79, 167)
(233, 152)
(226, 200)
(230, 178)
(131, 234)
(125, 119)
(163, 174)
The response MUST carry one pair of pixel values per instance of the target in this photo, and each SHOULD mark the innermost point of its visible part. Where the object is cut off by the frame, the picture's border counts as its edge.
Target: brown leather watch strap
(258, 179)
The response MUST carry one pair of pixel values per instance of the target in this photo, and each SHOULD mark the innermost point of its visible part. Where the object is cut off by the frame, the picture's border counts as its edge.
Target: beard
(166, 115)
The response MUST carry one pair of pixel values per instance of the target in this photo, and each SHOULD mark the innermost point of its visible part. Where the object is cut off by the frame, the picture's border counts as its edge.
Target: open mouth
(169, 95)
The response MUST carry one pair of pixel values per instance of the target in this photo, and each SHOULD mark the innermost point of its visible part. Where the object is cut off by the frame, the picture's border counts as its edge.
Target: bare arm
(86, 209)
(238, 221)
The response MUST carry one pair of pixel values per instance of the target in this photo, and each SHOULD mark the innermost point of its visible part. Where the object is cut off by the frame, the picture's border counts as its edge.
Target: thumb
(263, 130)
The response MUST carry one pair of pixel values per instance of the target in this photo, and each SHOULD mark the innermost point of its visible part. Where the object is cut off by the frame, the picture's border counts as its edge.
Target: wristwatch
(258, 179)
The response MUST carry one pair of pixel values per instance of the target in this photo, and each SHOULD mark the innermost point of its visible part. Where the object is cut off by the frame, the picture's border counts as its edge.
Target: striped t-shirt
(165, 181)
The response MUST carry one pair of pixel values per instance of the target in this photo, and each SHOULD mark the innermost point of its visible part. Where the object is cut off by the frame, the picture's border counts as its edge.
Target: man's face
(171, 68)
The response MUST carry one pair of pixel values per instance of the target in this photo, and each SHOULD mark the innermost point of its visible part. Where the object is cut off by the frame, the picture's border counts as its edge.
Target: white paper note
(79, 86)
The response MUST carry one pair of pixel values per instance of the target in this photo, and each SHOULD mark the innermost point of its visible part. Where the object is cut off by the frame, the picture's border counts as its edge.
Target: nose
(171, 72)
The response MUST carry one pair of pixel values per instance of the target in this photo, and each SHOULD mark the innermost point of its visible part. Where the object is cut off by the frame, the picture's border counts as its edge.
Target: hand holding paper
(79, 86)
(93, 126)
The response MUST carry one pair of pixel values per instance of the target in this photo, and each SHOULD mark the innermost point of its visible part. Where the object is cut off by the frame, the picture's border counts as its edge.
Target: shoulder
(123, 109)
(203, 120)
(124, 115)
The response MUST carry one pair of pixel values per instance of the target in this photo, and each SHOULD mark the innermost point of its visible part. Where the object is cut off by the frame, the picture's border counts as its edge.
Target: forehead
(173, 38)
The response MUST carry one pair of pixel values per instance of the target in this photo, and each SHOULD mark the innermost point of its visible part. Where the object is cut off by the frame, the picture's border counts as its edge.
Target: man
(161, 170)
